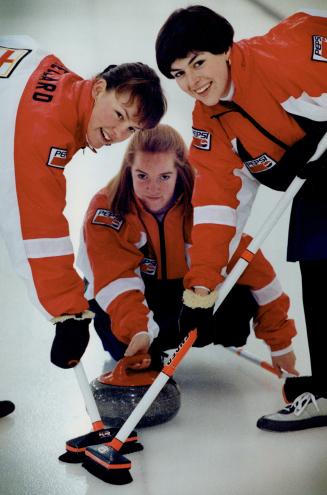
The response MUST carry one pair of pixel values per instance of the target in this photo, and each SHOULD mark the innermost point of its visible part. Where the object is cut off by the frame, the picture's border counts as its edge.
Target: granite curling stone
(118, 392)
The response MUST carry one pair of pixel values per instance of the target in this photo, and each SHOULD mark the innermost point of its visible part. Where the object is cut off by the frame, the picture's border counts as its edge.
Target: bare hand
(139, 344)
(201, 291)
(286, 362)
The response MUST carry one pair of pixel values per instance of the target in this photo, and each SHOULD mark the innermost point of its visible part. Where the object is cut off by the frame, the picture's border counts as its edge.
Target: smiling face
(113, 118)
(203, 75)
(154, 178)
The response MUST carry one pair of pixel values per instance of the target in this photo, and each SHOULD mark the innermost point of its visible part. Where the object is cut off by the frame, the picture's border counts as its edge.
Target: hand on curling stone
(139, 344)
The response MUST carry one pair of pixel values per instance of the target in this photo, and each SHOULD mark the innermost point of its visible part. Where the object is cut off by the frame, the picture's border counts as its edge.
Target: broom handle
(89, 400)
(152, 392)
(257, 241)
(266, 228)
(263, 364)
(225, 288)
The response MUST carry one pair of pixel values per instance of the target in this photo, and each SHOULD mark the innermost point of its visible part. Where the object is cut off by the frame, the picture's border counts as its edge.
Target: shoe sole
(301, 424)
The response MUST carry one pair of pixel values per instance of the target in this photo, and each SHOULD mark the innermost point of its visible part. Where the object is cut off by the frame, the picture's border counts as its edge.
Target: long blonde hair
(162, 138)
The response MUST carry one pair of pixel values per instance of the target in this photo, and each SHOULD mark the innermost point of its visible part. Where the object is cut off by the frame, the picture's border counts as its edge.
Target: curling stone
(118, 392)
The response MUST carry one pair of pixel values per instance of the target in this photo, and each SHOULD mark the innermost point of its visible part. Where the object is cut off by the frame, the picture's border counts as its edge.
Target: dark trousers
(102, 327)
(314, 302)
(231, 322)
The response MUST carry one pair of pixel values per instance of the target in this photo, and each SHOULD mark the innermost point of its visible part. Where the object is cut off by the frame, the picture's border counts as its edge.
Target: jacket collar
(85, 104)
(175, 201)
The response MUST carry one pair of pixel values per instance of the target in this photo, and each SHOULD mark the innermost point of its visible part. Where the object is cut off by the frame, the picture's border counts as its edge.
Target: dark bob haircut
(143, 84)
(194, 29)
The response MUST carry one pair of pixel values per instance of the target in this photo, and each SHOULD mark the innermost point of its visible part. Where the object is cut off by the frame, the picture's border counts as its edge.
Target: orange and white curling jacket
(119, 256)
(45, 109)
(278, 83)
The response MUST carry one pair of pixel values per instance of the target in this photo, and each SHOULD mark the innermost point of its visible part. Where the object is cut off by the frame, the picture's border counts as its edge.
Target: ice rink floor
(212, 446)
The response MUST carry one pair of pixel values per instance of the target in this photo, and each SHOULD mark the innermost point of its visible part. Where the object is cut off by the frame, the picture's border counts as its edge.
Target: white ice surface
(212, 446)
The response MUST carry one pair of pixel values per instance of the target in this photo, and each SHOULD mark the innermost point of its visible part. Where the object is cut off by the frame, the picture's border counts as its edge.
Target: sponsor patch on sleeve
(319, 48)
(108, 219)
(10, 58)
(58, 157)
(260, 164)
(201, 139)
(148, 266)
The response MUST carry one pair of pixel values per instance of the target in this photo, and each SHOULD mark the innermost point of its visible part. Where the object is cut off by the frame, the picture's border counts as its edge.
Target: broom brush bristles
(108, 465)
(114, 477)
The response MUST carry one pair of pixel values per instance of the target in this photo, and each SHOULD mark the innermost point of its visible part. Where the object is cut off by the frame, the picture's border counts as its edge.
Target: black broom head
(78, 457)
(75, 447)
(112, 476)
(108, 465)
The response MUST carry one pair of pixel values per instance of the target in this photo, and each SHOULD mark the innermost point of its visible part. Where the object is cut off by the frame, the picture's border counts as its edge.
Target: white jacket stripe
(215, 214)
(11, 89)
(83, 263)
(45, 248)
(269, 293)
(153, 328)
(245, 196)
(106, 295)
(142, 241)
(312, 107)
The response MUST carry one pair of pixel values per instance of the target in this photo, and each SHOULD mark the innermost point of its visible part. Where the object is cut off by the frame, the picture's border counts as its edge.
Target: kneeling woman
(134, 256)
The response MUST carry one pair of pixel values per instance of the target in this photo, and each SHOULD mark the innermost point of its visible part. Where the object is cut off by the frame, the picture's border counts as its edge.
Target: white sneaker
(307, 411)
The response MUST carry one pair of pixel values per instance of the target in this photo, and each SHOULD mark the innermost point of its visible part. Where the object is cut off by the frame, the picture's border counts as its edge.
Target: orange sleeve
(215, 201)
(41, 196)
(271, 322)
(114, 258)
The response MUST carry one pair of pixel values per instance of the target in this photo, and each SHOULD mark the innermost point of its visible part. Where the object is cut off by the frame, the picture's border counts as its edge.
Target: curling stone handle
(119, 373)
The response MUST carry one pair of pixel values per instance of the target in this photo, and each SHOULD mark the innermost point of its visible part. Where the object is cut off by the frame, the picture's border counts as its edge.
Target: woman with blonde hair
(135, 256)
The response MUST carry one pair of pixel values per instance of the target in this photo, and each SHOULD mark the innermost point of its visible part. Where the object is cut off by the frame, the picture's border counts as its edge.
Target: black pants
(231, 322)
(314, 303)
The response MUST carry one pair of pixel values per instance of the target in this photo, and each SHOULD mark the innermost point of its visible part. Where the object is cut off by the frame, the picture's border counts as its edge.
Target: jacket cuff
(80, 316)
(193, 300)
(281, 352)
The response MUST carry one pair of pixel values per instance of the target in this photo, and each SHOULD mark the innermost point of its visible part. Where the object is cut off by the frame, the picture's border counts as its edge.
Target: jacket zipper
(162, 248)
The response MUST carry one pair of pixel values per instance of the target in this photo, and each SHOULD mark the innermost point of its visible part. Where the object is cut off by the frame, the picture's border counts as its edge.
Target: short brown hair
(142, 83)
